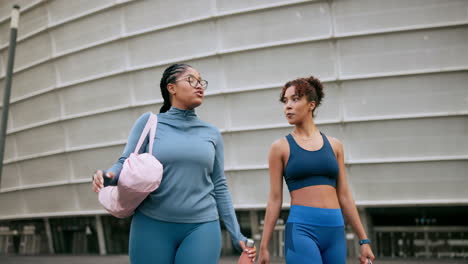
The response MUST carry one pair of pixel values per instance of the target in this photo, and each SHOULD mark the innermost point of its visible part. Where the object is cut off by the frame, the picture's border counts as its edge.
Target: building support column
(255, 227)
(254, 224)
(50, 241)
(100, 235)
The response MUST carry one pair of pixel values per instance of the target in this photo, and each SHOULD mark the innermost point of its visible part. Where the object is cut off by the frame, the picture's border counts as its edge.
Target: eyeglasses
(194, 82)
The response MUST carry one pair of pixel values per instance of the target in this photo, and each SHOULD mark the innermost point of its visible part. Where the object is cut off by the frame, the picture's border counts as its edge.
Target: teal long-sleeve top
(193, 188)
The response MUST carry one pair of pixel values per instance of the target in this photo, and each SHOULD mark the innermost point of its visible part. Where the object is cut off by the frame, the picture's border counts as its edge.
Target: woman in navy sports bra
(313, 167)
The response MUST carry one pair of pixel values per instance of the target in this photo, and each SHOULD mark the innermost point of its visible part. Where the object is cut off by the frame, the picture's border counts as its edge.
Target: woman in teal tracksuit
(178, 223)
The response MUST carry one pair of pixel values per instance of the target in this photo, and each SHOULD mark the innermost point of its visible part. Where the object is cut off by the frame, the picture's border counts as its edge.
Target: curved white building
(396, 84)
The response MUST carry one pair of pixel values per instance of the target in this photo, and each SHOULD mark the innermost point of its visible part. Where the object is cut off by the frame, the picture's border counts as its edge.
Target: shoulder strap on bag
(153, 133)
(151, 128)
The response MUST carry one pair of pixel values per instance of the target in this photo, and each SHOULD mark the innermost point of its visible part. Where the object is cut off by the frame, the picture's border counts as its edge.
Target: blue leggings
(315, 235)
(158, 242)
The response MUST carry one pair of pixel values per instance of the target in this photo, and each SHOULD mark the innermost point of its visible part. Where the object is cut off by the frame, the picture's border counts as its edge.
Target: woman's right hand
(264, 257)
(98, 179)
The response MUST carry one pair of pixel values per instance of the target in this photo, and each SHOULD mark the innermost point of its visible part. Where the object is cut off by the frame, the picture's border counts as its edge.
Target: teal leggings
(158, 242)
(315, 236)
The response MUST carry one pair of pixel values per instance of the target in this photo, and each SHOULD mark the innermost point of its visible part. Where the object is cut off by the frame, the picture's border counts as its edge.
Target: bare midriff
(321, 196)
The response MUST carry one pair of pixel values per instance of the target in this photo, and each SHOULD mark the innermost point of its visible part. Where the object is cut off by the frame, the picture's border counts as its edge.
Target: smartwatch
(364, 241)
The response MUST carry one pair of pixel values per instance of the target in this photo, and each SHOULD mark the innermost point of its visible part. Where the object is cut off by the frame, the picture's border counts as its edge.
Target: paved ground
(124, 260)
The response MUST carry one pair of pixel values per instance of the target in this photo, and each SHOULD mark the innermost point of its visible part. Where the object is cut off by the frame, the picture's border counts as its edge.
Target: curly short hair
(310, 87)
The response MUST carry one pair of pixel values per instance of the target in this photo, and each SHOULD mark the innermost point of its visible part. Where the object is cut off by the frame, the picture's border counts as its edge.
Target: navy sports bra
(308, 168)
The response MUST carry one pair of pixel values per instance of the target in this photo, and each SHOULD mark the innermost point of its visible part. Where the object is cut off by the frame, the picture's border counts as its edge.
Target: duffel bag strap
(152, 122)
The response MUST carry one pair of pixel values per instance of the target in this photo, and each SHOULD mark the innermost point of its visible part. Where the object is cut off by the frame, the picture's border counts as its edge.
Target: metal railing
(421, 241)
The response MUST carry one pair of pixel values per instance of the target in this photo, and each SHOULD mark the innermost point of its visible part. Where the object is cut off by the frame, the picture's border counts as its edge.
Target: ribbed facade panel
(395, 77)
(303, 21)
(361, 16)
(403, 52)
(431, 94)
(442, 181)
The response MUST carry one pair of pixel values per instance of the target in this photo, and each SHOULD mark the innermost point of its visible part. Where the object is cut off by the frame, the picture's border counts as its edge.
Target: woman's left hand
(366, 254)
(251, 252)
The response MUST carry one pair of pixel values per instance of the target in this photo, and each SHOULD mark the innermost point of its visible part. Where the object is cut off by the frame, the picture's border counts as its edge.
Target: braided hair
(169, 76)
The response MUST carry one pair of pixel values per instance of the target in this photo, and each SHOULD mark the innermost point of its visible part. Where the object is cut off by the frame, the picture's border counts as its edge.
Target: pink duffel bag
(141, 174)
